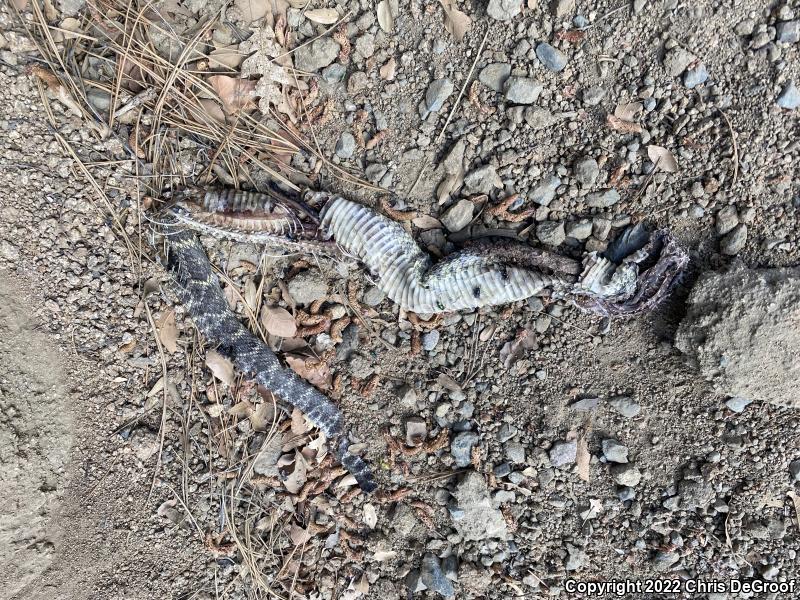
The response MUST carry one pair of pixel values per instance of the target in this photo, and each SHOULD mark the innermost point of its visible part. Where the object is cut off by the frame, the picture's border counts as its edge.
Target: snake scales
(636, 280)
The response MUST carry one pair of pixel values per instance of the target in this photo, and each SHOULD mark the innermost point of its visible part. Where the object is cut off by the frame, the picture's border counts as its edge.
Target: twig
(735, 146)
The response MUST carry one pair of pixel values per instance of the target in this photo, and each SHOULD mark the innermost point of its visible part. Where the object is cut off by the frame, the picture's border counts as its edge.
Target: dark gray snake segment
(199, 290)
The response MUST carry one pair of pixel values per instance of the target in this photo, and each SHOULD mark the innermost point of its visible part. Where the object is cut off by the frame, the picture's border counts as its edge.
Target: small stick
(735, 146)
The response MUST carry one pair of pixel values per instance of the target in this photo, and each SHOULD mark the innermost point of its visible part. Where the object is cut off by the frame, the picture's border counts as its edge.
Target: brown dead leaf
(622, 126)
(220, 367)
(236, 94)
(385, 16)
(212, 109)
(583, 458)
(279, 322)
(662, 157)
(168, 332)
(324, 16)
(317, 373)
(20, 4)
(252, 10)
(299, 423)
(295, 481)
(298, 535)
(627, 111)
(426, 222)
(456, 22)
(225, 57)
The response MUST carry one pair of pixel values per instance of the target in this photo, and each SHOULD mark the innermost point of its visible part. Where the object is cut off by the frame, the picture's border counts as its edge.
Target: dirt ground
(600, 454)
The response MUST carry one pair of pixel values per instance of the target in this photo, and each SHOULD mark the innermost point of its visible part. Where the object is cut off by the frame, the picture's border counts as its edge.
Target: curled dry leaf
(324, 16)
(385, 16)
(316, 372)
(225, 57)
(623, 126)
(168, 332)
(370, 516)
(220, 367)
(279, 322)
(456, 22)
(663, 158)
(295, 480)
(236, 94)
(298, 535)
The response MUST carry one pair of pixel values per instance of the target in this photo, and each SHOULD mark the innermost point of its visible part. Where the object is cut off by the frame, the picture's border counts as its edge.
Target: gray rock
(625, 493)
(726, 219)
(576, 558)
(483, 179)
(522, 90)
(319, 53)
(626, 474)
(695, 494)
(308, 286)
(614, 451)
(790, 97)
(552, 58)
(695, 76)
(434, 578)
(539, 118)
(365, 45)
(585, 404)
(504, 10)
(788, 32)
(601, 227)
(677, 60)
(506, 432)
(430, 339)
(334, 73)
(346, 145)
(450, 567)
(479, 520)
(737, 404)
(592, 96)
(416, 431)
(625, 406)
(638, 6)
(407, 395)
(734, 242)
(563, 453)
(373, 296)
(375, 172)
(580, 230)
(745, 27)
(664, 560)
(458, 216)
(494, 75)
(546, 190)
(551, 232)
(794, 470)
(437, 94)
(515, 452)
(562, 8)
(414, 583)
(586, 171)
(454, 162)
(461, 447)
(603, 199)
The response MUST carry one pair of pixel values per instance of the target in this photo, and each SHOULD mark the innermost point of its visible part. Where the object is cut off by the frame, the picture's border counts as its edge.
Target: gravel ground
(516, 448)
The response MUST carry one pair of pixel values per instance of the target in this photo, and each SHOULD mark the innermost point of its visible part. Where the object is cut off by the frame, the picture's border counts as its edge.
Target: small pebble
(563, 453)
(552, 58)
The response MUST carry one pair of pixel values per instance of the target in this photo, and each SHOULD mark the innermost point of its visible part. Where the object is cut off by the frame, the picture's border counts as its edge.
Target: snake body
(636, 280)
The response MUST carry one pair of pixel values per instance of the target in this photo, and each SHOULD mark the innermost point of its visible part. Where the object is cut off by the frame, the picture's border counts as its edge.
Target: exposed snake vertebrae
(635, 274)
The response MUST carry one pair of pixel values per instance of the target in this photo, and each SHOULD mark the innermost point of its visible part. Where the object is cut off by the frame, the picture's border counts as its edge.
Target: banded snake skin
(638, 271)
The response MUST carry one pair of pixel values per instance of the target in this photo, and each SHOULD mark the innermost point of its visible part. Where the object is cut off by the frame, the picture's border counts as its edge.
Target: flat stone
(789, 97)
(726, 219)
(438, 92)
(586, 171)
(522, 90)
(334, 73)
(552, 58)
(576, 558)
(563, 453)
(544, 193)
(788, 32)
(483, 179)
(734, 242)
(346, 145)
(626, 474)
(551, 232)
(373, 296)
(430, 339)
(319, 53)
(585, 404)
(461, 447)
(592, 96)
(479, 519)
(625, 406)
(515, 452)
(503, 10)
(458, 216)
(615, 452)
(562, 8)
(416, 431)
(737, 404)
(494, 75)
(695, 76)
(677, 60)
(579, 230)
(434, 578)
(603, 199)
(308, 286)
